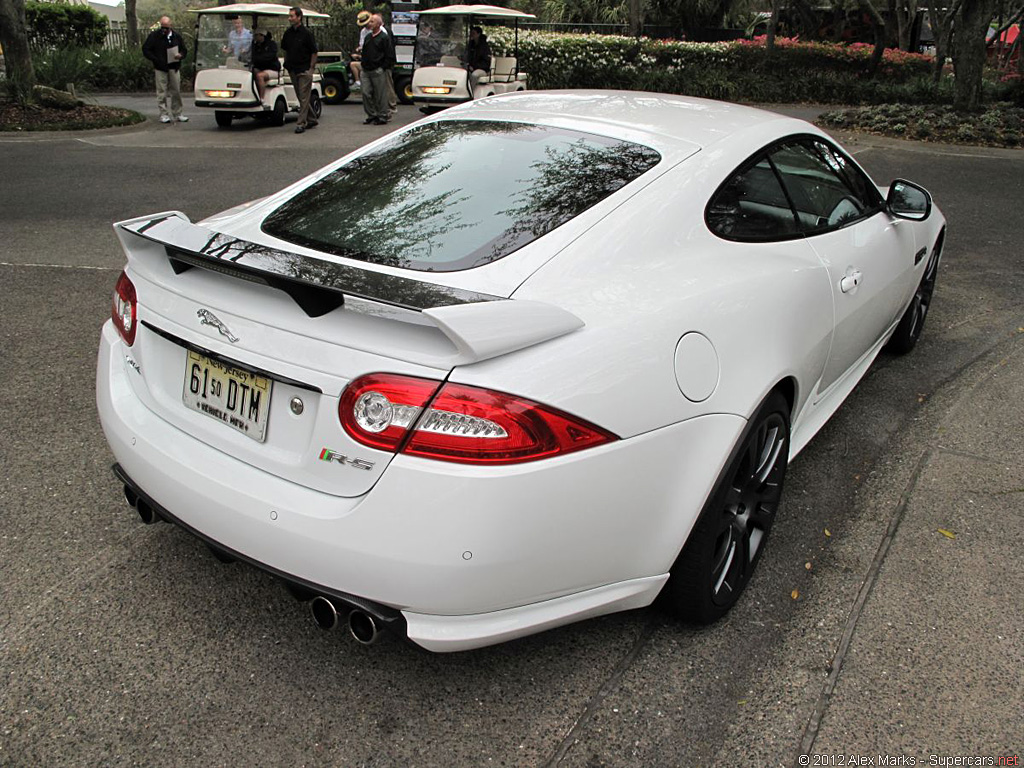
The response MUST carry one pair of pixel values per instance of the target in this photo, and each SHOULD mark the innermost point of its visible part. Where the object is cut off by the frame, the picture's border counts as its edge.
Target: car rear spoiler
(480, 325)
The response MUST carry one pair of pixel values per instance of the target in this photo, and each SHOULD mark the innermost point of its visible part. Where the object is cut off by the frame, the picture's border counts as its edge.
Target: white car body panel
(587, 319)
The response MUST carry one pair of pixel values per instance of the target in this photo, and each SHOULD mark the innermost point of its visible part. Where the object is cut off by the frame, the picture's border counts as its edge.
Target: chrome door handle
(850, 281)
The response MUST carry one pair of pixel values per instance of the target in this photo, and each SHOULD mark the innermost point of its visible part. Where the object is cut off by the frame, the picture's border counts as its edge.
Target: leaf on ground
(828, 532)
(795, 594)
(808, 565)
(947, 534)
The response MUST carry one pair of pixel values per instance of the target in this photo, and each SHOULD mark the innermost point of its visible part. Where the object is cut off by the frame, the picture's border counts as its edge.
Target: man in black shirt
(166, 49)
(300, 61)
(378, 58)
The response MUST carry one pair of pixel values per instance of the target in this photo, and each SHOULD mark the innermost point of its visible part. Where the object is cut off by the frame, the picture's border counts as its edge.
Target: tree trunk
(14, 41)
(636, 16)
(878, 27)
(969, 52)
(942, 28)
(131, 20)
(906, 14)
(773, 25)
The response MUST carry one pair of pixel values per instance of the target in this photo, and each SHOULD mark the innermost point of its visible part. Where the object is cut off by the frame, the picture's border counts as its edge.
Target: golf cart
(441, 77)
(225, 81)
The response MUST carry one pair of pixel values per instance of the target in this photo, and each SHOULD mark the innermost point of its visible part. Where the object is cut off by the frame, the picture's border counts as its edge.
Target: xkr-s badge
(328, 455)
(206, 317)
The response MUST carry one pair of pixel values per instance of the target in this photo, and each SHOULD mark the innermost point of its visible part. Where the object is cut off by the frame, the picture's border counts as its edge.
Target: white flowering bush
(738, 70)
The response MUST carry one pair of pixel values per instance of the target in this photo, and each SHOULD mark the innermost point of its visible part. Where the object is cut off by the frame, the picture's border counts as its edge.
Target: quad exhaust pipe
(361, 625)
(328, 613)
(140, 505)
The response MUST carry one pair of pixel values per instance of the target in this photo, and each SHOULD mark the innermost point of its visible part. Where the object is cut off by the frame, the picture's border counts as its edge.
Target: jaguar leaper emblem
(206, 317)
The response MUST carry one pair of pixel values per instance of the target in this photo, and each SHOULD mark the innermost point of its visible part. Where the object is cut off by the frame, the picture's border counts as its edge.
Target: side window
(752, 205)
(816, 180)
(855, 178)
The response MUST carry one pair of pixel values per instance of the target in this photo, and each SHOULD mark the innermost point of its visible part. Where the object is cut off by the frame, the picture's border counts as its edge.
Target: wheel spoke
(769, 454)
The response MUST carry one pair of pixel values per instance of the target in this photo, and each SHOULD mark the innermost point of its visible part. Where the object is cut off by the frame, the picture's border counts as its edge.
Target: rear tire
(223, 119)
(336, 90)
(277, 116)
(316, 105)
(403, 89)
(730, 535)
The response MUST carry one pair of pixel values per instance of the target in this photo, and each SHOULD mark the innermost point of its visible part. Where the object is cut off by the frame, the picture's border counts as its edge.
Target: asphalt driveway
(122, 644)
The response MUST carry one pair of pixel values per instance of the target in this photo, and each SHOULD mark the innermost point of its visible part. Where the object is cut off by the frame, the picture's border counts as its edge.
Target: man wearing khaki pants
(300, 51)
(166, 49)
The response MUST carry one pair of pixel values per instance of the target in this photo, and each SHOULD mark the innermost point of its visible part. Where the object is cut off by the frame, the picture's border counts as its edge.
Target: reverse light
(124, 309)
(219, 94)
(436, 90)
(459, 423)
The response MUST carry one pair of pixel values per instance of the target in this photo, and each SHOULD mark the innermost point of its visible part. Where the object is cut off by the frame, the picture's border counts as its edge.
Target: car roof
(668, 123)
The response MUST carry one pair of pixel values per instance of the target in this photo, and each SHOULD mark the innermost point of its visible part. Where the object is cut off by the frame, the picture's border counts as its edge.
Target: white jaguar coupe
(540, 358)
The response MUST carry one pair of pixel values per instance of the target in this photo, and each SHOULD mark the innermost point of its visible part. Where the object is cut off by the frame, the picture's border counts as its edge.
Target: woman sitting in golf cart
(265, 64)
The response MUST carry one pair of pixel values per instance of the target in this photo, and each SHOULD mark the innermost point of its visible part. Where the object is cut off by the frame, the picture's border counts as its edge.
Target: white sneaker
(182, 119)
(165, 119)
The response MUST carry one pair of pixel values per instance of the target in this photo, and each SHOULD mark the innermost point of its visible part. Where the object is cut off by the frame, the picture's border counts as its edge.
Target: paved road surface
(122, 644)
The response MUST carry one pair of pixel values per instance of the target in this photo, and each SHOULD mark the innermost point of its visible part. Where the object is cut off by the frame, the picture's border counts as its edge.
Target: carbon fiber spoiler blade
(480, 325)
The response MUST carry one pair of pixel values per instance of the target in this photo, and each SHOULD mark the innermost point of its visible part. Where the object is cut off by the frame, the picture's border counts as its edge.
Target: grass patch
(998, 125)
(18, 118)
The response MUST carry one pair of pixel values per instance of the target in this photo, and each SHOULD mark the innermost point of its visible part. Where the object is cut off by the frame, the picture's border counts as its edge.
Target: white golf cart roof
(492, 11)
(260, 9)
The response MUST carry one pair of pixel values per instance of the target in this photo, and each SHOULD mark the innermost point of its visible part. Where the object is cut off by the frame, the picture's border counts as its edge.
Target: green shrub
(101, 69)
(120, 70)
(63, 24)
(998, 125)
(56, 67)
(740, 70)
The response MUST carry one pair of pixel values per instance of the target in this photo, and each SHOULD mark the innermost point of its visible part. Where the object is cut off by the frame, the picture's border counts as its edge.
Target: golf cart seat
(451, 61)
(503, 70)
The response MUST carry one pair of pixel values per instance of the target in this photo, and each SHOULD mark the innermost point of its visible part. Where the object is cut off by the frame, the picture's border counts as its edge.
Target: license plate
(233, 395)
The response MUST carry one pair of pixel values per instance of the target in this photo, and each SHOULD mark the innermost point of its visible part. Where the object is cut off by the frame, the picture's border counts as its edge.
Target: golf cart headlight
(219, 94)
(436, 89)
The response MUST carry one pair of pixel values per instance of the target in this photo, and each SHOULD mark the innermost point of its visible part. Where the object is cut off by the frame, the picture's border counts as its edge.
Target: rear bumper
(231, 106)
(468, 556)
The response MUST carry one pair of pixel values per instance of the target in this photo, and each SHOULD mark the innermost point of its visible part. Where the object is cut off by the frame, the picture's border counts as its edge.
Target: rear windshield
(454, 195)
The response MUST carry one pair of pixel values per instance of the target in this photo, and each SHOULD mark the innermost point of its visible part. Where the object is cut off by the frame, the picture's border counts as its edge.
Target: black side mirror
(908, 200)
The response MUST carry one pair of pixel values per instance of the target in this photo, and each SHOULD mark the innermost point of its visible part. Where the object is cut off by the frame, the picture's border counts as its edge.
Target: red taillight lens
(379, 409)
(462, 424)
(124, 309)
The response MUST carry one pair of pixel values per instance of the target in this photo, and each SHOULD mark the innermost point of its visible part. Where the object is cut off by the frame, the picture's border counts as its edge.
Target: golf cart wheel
(335, 90)
(223, 119)
(277, 116)
(316, 104)
(403, 89)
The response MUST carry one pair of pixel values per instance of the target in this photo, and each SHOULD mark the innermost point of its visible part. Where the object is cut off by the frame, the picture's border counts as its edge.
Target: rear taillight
(124, 309)
(459, 423)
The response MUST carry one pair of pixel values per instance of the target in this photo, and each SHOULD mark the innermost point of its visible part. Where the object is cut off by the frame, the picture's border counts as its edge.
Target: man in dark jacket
(264, 60)
(166, 49)
(300, 51)
(378, 58)
(478, 55)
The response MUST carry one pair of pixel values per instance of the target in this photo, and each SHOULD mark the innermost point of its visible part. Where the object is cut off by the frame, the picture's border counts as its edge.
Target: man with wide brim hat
(356, 65)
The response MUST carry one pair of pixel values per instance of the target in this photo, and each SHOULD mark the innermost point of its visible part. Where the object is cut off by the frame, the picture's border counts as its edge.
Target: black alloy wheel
(905, 337)
(726, 543)
(316, 105)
